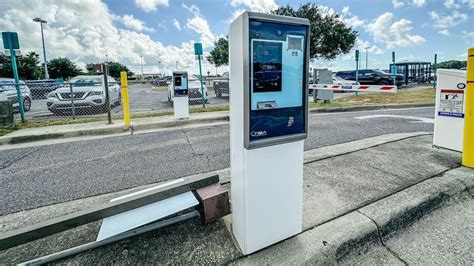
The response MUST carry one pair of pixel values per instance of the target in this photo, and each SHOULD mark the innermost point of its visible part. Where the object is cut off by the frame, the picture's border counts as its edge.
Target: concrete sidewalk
(102, 128)
(354, 194)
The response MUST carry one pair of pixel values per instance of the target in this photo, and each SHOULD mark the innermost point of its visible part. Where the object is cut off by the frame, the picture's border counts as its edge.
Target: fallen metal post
(96, 244)
(60, 224)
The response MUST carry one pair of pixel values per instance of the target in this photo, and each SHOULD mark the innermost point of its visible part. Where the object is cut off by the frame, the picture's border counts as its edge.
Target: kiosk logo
(258, 133)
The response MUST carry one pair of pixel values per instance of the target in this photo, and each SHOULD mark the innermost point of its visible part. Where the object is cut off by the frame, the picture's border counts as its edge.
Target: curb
(357, 231)
(114, 129)
(370, 107)
(174, 123)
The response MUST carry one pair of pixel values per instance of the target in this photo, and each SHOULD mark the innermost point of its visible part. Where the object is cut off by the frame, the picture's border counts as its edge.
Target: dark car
(371, 77)
(164, 81)
(221, 86)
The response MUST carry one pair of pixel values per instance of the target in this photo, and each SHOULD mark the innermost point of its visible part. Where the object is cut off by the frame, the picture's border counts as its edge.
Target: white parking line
(416, 118)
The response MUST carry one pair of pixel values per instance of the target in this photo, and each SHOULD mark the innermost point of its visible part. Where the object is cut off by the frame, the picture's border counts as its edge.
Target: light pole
(367, 57)
(159, 68)
(41, 21)
(141, 63)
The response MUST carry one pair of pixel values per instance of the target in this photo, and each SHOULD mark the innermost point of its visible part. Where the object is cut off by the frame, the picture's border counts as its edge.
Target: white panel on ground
(123, 222)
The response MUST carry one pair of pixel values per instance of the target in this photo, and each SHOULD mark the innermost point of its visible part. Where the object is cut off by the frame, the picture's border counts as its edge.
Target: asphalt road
(142, 97)
(38, 176)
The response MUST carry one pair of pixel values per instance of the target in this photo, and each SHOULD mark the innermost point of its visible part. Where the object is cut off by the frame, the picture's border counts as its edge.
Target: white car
(8, 89)
(88, 92)
(194, 92)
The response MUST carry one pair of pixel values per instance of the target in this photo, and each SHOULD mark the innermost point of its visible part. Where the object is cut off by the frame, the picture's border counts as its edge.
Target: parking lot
(144, 98)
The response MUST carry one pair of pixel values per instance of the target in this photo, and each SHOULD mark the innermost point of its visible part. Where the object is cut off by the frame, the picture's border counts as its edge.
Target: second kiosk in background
(180, 93)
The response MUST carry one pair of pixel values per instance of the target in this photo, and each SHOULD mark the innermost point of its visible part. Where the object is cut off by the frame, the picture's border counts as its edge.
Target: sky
(161, 33)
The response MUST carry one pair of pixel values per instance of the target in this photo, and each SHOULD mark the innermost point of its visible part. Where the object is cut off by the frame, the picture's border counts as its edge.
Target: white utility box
(449, 109)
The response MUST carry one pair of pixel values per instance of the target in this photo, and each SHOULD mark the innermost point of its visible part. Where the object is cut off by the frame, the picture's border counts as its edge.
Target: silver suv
(7, 87)
(88, 92)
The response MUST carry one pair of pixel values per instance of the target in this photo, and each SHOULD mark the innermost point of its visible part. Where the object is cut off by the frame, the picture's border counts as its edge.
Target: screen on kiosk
(267, 57)
(177, 81)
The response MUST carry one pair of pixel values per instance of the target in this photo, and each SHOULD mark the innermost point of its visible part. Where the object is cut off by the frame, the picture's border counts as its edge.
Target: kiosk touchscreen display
(177, 81)
(277, 95)
(266, 66)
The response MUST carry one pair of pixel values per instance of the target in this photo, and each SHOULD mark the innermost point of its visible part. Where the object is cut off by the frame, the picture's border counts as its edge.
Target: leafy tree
(219, 56)
(64, 68)
(28, 66)
(330, 36)
(115, 68)
(452, 64)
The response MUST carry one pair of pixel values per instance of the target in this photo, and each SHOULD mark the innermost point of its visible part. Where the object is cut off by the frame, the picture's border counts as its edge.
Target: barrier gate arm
(355, 88)
(24, 235)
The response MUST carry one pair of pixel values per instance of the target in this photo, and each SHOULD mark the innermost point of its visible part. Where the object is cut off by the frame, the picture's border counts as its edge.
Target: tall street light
(41, 21)
(367, 57)
(141, 63)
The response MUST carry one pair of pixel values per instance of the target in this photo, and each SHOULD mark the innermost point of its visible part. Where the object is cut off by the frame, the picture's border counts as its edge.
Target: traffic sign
(10, 40)
(197, 49)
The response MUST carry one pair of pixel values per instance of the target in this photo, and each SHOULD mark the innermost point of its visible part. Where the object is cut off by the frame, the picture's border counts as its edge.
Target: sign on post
(198, 53)
(10, 40)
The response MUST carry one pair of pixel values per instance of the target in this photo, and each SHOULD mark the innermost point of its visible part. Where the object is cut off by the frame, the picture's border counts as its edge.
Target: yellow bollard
(468, 148)
(125, 102)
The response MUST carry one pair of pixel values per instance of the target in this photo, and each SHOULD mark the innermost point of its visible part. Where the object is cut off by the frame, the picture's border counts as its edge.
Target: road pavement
(43, 175)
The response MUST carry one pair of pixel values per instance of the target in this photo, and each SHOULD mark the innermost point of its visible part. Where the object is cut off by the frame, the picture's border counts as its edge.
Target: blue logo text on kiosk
(277, 92)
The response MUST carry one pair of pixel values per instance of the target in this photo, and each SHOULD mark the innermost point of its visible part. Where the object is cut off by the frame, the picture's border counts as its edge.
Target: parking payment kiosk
(268, 125)
(180, 91)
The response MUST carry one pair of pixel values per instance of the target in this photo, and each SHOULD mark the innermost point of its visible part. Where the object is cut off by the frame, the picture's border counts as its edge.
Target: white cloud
(419, 3)
(135, 24)
(393, 33)
(151, 5)
(458, 3)
(86, 33)
(447, 21)
(176, 24)
(397, 4)
(444, 32)
(350, 19)
(256, 5)
(199, 25)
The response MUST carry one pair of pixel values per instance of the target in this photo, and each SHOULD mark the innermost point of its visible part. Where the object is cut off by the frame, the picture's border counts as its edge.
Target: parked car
(194, 92)
(221, 86)
(88, 93)
(164, 81)
(371, 77)
(41, 88)
(8, 88)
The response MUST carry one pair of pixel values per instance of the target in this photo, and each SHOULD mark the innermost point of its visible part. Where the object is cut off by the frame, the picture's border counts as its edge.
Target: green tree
(452, 64)
(29, 67)
(219, 56)
(330, 36)
(115, 68)
(64, 68)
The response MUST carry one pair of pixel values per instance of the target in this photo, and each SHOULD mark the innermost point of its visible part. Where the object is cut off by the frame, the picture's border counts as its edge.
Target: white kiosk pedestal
(181, 107)
(267, 194)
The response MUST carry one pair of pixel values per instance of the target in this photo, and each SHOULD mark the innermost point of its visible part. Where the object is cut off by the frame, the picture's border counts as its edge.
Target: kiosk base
(181, 107)
(267, 194)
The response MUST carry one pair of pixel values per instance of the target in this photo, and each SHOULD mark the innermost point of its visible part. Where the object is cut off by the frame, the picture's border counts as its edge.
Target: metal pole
(96, 244)
(434, 70)
(73, 108)
(366, 57)
(468, 146)
(107, 97)
(357, 68)
(141, 63)
(46, 75)
(19, 97)
(394, 74)
(200, 79)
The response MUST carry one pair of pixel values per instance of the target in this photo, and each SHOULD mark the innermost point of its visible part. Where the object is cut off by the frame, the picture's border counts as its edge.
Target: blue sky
(162, 31)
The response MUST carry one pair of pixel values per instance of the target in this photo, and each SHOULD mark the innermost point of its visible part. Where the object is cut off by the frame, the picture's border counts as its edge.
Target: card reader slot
(266, 105)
